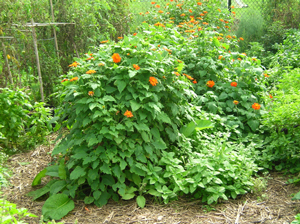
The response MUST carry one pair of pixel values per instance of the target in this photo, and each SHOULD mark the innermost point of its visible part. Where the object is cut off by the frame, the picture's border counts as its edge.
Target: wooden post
(37, 60)
(54, 31)
(7, 65)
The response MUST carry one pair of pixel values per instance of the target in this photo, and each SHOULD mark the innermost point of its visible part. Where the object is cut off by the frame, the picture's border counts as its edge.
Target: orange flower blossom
(128, 113)
(234, 84)
(91, 93)
(236, 102)
(256, 106)
(136, 67)
(116, 58)
(153, 81)
(210, 83)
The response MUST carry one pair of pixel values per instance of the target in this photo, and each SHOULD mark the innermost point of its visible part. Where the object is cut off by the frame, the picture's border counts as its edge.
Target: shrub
(128, 111)
(283, 121)
(24, 125)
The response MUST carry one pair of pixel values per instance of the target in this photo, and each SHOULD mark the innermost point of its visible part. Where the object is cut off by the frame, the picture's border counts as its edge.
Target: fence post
(37, 60)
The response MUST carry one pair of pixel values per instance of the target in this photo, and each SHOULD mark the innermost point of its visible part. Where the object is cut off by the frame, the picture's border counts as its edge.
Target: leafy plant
(19, 115)
(9, 213)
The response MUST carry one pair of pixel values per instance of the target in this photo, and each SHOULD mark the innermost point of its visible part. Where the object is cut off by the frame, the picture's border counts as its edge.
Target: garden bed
(272, 205)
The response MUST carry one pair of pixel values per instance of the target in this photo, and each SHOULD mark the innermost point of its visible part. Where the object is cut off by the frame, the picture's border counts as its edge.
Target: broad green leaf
(108, 98)
(40, 192)
(154, 192)
(38, 177)
(254, 124)
(136, 179)
(297, 196)
(128, 196)
(121, 85)
(57, 206)
(141, 201)
(203, 124)
(145, 136)
(88, 200)
(216, 42)
(62, 173)
(134, 105)
(103, 199)
(77, 172)
(159, 144)
(57, 186)
(93, 174)
(132, 73)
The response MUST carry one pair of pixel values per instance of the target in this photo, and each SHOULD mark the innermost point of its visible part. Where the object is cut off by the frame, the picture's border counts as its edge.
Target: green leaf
(108, 98)
(136, 179)
(223, 96)
(57, 206)
(103, 199)
(134, 105)
(154, 192)
(62, 173)
(164, 118)
(297, 196)
(145, 136)
(159, 144)
(77, 172)
(128, 196)
(254, 124)
(155, 133)
(216, 42)
(187, 130)
(42, 191)
(141, 201)
(38, 177)
(93, 174)
(121, 85)
(132, 73)
(88, 200)
(57, 186)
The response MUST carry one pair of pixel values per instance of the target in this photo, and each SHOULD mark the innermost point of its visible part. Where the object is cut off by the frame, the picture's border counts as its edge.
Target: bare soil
(272, 205)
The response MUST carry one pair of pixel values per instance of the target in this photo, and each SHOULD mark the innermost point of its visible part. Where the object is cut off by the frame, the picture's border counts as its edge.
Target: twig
(239, 213)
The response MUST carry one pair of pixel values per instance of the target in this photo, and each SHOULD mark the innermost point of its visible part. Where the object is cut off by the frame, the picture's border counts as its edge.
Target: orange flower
(136, 67)
(153, 81)
(199, 3)
(103, 42)
(189, 77)
(100, 64)
(74, 64)
(120, 38)
(202, 14)
(271, 96)
(90, 58)
(90, 72)
(266, 75)
(241, 38)
(236, 102)
(128, 113)
(222, 20)
(239, 59)
(116, 58)
(232, 6)
(205, 12)
(182, 14)
(157, 6)
(91, 93)
(210, 83)
(64, 80)
(190, 11)
(74, 79)
(219, 10)
(205, 23)
(256, 106)
(177, 73)
(160, 11)
(134, 34)
(195, 82)
(254, 59)
(153, 3)
(220, 57)
(234, 84)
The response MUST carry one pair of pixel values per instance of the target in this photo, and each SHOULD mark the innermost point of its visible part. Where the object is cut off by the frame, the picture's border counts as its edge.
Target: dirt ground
(272, 205)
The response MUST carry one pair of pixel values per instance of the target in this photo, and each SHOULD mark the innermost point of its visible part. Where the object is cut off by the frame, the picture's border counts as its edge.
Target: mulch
(272, 205)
